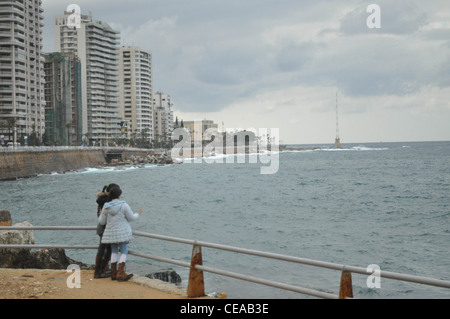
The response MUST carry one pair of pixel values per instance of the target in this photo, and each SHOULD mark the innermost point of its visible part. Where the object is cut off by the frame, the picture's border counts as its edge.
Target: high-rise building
(97, 46)
(136, 90)
(21, 69)
(162, 117)
(63, 111)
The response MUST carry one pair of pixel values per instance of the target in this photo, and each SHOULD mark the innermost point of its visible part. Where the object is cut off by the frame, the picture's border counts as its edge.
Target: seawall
(23, 164)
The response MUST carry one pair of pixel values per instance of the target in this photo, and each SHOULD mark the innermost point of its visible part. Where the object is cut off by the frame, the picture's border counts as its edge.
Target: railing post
(346, 289)
(196, 284)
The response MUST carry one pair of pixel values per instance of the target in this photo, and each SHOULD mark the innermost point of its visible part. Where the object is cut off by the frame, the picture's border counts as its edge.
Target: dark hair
(108, 187)
(114, 192)
(103, 196)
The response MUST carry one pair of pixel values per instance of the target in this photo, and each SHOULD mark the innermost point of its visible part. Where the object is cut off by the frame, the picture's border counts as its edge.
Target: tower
(22, 103)
(337, 141)
(162, 116)
(97, 46)
(136, 89)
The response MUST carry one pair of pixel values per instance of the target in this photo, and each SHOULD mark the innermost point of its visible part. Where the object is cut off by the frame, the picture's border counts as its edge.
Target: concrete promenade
(52, 284)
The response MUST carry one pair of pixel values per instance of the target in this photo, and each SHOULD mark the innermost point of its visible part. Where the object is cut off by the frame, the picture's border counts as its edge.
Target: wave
(115, 169)
(354, 148)
(300, 151)
(331, 149)
(102, 170)
(213, 157)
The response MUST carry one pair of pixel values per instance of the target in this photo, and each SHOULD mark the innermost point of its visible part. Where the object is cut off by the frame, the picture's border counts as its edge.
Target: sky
(262, 64)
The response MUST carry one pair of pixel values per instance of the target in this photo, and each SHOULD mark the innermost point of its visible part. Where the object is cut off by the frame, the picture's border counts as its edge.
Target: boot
(98, 267)
(107, 271)
(104, 268)
(121, 275)
(113, 271)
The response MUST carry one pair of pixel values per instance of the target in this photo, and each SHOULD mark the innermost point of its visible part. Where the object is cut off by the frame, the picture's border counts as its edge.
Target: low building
(197, 129)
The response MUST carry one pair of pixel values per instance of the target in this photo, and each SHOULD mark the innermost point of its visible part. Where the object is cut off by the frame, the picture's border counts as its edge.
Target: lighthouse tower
(337, 141)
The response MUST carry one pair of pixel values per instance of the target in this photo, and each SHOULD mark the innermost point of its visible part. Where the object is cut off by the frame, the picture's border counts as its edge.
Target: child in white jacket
(117, 216)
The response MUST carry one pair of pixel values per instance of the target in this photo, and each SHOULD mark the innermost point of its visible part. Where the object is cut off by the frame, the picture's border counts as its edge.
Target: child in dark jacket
(104, 250)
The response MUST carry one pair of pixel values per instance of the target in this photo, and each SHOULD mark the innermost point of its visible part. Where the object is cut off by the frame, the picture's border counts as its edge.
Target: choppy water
(386, 204)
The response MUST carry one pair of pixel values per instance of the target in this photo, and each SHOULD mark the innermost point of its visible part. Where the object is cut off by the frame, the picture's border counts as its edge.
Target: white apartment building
(162, 117)
(97, 46)
(136, 90)
(21, 68)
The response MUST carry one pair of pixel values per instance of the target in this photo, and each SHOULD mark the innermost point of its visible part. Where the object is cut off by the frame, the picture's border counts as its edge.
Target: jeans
(123, 247)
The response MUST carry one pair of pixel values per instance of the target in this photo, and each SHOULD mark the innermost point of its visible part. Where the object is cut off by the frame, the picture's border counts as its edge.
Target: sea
(383, 204)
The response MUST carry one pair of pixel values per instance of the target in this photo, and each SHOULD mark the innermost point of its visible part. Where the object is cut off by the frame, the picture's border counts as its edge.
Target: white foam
(101, 170)
(354, 148)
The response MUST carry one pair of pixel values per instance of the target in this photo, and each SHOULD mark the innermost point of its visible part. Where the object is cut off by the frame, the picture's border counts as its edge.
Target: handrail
(305, 261)
(275, 284)
(197, 266)
(48, 228)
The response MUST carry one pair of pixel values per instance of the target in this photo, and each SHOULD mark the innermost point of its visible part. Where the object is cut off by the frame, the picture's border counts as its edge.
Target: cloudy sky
(279, 63)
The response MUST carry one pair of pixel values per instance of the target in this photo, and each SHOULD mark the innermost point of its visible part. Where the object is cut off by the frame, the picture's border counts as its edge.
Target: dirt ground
(53, 284)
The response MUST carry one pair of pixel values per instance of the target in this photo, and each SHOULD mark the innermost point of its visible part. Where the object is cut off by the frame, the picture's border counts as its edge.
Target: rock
(220, 295)
(168, 275)
(162, 159)
(55, 258)
(25, 258)
(9, 258)
(17, 236)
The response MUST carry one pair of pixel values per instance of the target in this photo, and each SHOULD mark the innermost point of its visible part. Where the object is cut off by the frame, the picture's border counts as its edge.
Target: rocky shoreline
(137, 160)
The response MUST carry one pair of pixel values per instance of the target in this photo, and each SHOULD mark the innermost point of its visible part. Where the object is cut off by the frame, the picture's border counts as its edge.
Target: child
(104, 250)
(117, 214)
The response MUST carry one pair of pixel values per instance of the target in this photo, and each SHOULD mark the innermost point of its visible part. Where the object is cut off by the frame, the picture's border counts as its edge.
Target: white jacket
(117, 214)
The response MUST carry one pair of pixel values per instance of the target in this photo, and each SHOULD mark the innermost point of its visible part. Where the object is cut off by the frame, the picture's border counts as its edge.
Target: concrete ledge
(15, 165)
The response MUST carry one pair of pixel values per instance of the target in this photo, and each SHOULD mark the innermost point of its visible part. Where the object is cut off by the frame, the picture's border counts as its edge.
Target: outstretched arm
(130, 215)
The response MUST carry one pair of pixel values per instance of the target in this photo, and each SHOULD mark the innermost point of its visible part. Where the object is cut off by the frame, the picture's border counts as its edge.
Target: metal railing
(195, 284)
